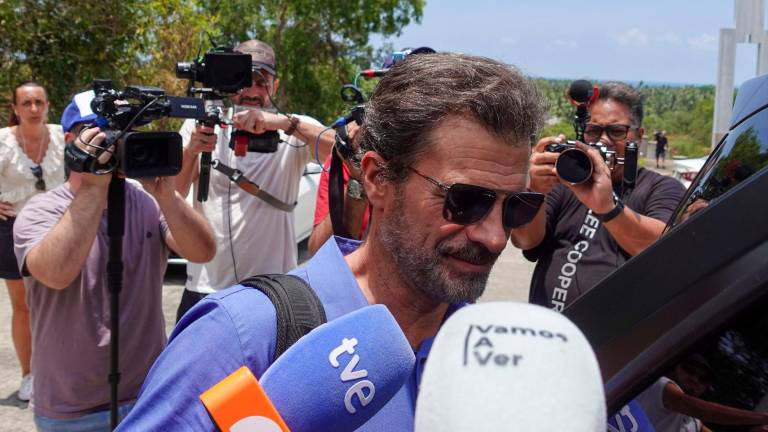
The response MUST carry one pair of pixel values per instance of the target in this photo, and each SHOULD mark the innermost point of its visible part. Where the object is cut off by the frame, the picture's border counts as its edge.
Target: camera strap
(237, 177)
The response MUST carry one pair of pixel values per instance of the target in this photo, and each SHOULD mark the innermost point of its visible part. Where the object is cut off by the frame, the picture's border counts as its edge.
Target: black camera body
(574, 165)
(242, 142)
(137, 154)
(220, 70)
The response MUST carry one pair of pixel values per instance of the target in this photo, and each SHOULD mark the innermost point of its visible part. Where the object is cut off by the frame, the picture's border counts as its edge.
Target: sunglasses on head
(466, 204)
(37, 171)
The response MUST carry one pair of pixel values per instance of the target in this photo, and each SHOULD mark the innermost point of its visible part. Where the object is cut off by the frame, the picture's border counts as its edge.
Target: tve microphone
(510, 367)
(342, 373)
(334, 378)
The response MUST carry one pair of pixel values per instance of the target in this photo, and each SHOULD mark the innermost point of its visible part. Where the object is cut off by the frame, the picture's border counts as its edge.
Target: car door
(702, 287)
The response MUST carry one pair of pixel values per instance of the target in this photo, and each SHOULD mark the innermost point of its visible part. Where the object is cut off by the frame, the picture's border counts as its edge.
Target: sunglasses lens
(592, 133)
(466, 204)
(617, 132)
(521, 208)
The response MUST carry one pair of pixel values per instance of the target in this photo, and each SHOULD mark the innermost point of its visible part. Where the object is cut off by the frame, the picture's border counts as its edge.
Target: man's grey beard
(423, 269)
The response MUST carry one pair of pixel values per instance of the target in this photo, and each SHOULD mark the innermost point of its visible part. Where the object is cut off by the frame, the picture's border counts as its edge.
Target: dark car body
(702, 286)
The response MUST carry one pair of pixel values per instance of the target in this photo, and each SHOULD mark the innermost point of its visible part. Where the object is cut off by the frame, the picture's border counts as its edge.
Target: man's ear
(376, 187)
(640, 133)
(275, 86)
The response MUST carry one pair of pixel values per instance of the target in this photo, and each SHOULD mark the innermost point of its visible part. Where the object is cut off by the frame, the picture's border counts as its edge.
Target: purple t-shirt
(71, 328)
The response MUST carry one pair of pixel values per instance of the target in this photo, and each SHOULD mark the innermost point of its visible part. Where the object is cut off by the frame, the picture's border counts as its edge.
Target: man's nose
(489, 231)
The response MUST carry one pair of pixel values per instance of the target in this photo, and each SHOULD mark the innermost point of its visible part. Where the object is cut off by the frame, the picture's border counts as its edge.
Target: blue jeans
(94, 422)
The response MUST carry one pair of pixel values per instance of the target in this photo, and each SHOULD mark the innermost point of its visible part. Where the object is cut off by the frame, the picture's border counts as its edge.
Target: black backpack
(298, 308)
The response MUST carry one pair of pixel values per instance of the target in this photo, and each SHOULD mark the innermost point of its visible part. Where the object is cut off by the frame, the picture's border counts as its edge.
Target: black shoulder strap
(298, 308)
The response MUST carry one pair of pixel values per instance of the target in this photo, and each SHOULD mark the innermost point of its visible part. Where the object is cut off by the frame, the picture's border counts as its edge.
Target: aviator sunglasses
(466, 204)
(37, 171)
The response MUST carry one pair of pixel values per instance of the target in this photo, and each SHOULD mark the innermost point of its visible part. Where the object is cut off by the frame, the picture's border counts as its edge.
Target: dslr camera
(137, 154)
(574, 165)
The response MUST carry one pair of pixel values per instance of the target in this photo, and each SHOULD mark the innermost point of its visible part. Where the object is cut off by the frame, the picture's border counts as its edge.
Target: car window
(724, 379)
(743, 152)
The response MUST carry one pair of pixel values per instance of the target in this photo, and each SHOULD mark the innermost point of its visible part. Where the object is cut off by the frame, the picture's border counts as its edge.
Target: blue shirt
(237, 327)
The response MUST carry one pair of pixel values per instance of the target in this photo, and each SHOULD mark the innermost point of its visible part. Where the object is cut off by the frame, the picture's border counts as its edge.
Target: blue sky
(672, 41)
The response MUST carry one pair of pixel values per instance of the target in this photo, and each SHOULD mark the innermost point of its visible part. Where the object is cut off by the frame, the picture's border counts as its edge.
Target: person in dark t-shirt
(585, 231)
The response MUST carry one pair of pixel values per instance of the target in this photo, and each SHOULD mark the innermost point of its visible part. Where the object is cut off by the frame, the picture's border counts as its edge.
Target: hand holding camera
(203, 139)
(91, 141)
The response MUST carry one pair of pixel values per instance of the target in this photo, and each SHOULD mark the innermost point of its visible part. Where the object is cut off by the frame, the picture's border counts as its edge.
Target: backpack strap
(298, 308)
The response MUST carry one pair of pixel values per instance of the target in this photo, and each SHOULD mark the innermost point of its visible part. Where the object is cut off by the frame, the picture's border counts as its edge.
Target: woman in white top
(31, 162)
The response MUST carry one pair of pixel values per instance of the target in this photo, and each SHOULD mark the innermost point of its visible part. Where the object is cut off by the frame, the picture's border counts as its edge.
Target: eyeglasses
(37, 171)
(466, 204)
(616, 132)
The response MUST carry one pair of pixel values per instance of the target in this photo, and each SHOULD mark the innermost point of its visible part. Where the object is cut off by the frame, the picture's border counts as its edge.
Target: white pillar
(726, 61)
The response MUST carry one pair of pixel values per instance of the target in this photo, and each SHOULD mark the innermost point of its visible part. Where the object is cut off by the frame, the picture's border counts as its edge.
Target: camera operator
(586, 230)
(355, 208)
(61, 244)
(252, 236)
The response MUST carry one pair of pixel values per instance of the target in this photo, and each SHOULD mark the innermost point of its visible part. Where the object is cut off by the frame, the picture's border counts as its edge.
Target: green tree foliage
(684, 112)
(319, 43)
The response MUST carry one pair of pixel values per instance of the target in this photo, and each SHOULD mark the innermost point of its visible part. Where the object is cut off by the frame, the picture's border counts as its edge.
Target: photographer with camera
(586, 230)
(252, 235)
(61, 243)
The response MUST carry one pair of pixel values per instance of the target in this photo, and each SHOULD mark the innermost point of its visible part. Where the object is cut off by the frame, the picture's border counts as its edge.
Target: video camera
(223, 72)
(137, 154)
(574, 165)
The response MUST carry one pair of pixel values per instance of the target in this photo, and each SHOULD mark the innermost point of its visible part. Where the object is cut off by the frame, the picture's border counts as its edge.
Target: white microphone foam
(510, 367)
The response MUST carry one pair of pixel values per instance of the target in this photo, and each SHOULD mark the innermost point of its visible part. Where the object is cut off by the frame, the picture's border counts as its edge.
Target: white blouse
(17, 182)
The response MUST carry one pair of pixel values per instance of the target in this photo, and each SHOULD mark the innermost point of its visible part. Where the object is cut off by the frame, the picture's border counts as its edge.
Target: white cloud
(633, 37)
(565, 43)
(704, 41)
(671, 39)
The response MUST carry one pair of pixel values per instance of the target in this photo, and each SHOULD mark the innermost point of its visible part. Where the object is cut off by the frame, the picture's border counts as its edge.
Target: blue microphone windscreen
(342, 373)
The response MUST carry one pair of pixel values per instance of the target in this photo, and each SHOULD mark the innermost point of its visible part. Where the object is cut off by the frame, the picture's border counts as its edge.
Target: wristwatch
(355, 189)
(617, 209)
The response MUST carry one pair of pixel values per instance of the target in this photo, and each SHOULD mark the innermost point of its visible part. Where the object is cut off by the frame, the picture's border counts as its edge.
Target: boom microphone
(510, 367)
(582, 92)
(335, 378)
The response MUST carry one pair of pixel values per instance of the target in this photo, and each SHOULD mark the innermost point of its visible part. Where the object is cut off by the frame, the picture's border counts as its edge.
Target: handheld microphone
(335, 378)
(510, 367)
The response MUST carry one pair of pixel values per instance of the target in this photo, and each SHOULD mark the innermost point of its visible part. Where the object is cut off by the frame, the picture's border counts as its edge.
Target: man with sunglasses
(585, 231)
(252, 236)
(445, 141)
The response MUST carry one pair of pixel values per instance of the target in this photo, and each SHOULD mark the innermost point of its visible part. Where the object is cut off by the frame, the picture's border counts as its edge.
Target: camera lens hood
(574, 166)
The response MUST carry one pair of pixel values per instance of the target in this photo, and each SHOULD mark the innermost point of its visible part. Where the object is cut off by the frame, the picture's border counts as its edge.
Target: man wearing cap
(61, 243)
(252, 236)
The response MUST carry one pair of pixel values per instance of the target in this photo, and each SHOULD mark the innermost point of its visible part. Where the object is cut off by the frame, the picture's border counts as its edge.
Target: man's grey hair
(626, 95)
(418, 93)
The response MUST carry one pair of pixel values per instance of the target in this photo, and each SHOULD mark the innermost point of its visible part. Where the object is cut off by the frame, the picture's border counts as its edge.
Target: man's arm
(257, 122)
(632, 231)
(675, 399)
(58, 258)
(189, 234)
(197, 139)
